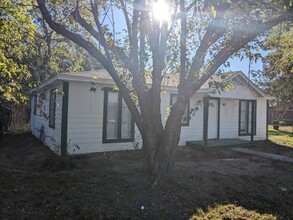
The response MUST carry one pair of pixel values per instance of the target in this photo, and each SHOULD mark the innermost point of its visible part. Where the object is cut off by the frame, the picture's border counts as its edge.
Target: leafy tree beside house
(276, 78)
(193, 38)
(278, 65)
(31, 52)
(15, 26)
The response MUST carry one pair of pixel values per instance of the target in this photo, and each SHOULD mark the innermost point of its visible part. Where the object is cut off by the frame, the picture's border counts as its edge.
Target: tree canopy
(277, 75)
(16, 28)
(30, 50)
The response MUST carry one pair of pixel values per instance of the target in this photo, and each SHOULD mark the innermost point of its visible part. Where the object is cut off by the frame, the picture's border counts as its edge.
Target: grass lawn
(283, 136)
(207, 184)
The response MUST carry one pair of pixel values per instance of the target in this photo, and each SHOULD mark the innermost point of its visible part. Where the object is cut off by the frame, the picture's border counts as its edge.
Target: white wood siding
(52, 136)
(229, 113)
(86, 108)
(229, 118)
(195, 129)
(85, 120)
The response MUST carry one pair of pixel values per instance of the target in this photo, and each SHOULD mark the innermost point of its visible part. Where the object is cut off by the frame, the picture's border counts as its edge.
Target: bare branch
(133, 39)
(77, 17)
(123, 6)
(238, 41)
(92, 50)
(213, 33)
(100, 29)
(183, 36)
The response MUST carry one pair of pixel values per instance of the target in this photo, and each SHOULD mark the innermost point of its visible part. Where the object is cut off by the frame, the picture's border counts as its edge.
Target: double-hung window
(186, 117)
(247, 116)
(118, 125)
(52, 108)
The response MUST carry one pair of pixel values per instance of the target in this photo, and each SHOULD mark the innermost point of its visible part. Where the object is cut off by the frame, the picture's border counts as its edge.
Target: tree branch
(214, 32)
(92, 50)
(238, 41)
(77, 17)
(123, 6)
(183, 36)
(100, 29)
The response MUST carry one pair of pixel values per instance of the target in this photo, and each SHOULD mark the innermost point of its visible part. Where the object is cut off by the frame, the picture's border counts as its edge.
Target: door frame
(218, 122)
(206, 118)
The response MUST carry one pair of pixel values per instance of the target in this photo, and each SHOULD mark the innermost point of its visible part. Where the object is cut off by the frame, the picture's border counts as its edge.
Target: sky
(237, 65)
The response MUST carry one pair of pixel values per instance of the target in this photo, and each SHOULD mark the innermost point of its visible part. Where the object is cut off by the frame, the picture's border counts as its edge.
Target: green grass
(230, 211)
(283, 136)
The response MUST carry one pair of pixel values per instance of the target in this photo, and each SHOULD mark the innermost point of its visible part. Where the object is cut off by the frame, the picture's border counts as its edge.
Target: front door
(213, 119)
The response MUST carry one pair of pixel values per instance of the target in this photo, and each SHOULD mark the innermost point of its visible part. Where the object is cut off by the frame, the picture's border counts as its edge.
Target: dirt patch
(36, 184)
(271, 147)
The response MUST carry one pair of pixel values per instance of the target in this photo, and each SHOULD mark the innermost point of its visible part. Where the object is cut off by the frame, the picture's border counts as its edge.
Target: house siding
(52, 136)
(86, 109)
(195, 129)
(229, 113)
(85, 120)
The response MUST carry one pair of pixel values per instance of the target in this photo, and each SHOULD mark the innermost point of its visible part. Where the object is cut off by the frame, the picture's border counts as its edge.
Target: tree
(15, 25)
(277, 75)
(50, 53)
(28, 48)
(193, 37)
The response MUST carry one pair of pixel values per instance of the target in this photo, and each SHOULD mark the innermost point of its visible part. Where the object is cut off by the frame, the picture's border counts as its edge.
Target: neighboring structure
(81, 113)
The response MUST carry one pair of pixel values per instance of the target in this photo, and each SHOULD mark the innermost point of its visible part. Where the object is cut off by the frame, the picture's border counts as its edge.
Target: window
(118, 125)
(185, 118)
(247, 110)
(52, 108)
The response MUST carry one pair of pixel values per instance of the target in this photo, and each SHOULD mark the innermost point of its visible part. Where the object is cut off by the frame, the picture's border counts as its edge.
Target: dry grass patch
(230, 211)
(283, 137)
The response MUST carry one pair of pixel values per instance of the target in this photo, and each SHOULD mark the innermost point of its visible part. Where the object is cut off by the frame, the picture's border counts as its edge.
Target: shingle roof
(171, 80)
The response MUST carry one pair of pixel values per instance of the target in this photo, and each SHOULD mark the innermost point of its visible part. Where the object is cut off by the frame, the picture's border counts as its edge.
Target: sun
(161, 10)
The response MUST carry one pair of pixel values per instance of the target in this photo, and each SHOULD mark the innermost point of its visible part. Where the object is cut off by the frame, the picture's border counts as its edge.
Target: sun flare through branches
(161, 10)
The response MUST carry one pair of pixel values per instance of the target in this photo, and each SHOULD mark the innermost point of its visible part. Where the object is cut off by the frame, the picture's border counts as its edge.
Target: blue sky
(237, 65)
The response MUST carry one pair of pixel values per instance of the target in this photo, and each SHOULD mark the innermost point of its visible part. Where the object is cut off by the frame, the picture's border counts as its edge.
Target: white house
(80, 112)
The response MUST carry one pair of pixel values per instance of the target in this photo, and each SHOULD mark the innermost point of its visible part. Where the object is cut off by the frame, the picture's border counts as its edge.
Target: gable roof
(170, 81)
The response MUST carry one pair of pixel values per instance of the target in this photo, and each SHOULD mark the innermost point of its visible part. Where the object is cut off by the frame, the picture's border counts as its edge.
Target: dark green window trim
(183, 123)
(52, 108)
(35, 104)
(119, 122)
(267, 120)
(253, 102)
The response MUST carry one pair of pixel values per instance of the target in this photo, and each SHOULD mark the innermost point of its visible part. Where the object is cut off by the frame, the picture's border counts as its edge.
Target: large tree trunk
(160, 145)
(159, 153)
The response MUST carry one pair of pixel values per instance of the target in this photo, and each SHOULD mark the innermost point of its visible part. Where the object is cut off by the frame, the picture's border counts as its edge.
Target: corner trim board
(64, 120)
